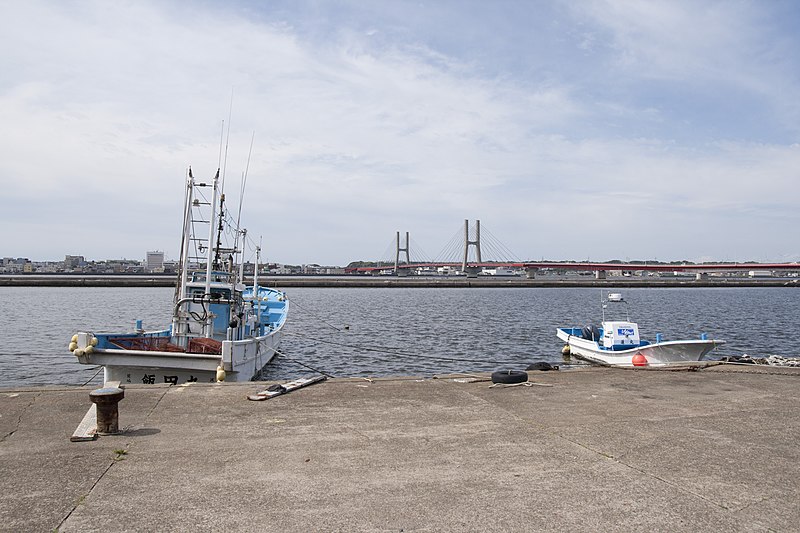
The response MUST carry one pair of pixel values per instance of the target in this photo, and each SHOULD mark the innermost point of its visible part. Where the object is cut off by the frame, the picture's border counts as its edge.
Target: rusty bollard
(106, 400)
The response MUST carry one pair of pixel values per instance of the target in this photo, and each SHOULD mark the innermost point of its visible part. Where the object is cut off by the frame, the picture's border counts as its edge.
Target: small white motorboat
(617, 343)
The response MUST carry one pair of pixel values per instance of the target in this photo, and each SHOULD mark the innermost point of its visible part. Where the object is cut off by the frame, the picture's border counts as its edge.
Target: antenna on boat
(220, 225)
(241, 200)
(244, 180)
(603, 305)
(227, 138)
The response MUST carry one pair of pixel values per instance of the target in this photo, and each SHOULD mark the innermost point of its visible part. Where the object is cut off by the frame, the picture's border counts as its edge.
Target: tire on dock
(509, 376)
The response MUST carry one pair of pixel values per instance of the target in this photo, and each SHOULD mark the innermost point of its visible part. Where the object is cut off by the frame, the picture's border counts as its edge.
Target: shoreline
(394, 282)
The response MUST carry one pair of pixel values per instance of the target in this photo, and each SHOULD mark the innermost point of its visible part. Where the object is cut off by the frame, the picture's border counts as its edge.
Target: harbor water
(392, 331)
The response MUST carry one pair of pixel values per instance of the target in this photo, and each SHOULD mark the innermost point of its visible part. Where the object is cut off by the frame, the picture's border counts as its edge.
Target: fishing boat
(617, 343)
(221, 330)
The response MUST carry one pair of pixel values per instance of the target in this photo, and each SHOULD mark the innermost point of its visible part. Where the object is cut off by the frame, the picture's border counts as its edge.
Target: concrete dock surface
(578, 450)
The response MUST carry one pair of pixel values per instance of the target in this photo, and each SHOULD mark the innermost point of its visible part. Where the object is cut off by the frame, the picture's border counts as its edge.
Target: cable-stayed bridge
(472, 251)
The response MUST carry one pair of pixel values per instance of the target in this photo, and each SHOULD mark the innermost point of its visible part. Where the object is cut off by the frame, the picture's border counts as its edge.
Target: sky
(573, 130)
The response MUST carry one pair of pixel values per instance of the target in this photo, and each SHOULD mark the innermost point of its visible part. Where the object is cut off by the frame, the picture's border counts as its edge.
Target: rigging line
(244, 181)
(284, 356)
(225, 161)
(221, 141)
(294, 302)
(238, 229)
(404, 354)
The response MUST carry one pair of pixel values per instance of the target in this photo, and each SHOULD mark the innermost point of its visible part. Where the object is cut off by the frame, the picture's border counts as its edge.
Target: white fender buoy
(220, 374)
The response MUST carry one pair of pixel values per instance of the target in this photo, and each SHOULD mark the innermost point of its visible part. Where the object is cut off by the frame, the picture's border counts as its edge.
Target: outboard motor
(591, 333)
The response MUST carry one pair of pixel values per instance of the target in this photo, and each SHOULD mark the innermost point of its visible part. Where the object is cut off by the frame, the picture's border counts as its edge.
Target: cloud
(368, 125)
(721, 47)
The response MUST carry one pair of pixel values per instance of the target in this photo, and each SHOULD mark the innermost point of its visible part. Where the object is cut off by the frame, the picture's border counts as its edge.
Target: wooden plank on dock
(277, 390)
(87, 429)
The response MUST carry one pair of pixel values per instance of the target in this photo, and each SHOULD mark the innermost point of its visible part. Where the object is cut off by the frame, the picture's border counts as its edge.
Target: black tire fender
(509, 376)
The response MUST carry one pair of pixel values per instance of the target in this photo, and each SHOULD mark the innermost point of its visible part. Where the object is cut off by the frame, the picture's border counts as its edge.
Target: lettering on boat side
(150, 379)
(624, 331)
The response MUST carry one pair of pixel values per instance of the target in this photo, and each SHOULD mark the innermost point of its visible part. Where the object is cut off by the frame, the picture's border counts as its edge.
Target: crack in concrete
(111, 463)
(643, 472)
(19, 418)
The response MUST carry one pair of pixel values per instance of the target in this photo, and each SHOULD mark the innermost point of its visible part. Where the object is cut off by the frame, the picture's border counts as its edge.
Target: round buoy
(509, 376)
(639, 359)
(565, 350)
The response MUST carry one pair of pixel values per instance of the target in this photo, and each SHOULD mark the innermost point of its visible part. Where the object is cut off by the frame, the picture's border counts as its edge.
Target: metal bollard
(106, 400)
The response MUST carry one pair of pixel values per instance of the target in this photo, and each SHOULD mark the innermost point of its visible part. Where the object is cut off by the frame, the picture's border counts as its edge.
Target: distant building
(277, 268)
(16, 264)
(71, 262)
(154, 262)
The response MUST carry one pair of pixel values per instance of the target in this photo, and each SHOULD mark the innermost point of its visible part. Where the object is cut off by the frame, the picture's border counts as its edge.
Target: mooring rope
(99, 369)
(394, 351)
(294, 302)
(289, 359)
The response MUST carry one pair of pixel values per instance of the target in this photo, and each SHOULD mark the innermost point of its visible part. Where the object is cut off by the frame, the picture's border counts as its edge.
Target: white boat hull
(658, 354)
(240, 361)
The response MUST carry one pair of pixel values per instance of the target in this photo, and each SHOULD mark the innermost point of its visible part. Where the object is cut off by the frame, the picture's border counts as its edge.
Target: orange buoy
(639, 359)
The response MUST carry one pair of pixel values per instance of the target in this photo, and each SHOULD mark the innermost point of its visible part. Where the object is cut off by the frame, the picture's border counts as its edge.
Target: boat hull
(657, 354)
(239, 361)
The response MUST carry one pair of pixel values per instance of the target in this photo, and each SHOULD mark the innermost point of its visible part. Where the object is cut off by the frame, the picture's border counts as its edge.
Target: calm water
(378, 332)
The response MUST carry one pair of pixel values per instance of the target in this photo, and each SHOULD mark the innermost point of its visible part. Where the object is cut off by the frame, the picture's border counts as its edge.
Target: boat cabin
(620, 335)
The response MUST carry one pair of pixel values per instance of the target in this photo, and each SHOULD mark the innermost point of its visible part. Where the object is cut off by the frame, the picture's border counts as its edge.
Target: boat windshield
(216, 276)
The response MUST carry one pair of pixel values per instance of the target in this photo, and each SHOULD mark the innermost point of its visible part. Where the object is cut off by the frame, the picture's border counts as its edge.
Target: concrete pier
(581, 450)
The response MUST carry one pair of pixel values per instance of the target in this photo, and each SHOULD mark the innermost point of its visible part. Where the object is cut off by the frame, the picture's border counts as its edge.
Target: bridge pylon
(398, 249)
(468, 243)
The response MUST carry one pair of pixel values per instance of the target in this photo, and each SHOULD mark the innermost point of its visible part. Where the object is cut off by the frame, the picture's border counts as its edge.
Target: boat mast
(241, 261)
(212, 248)
(217, 263)
(255, 290)
(187, 221)
(183, 267)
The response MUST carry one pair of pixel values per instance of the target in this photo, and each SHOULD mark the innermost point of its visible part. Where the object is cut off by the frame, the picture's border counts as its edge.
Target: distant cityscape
(153, 263)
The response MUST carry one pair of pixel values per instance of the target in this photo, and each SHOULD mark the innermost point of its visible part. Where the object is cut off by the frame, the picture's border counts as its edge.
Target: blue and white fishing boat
(617, 343)
(220, 329)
